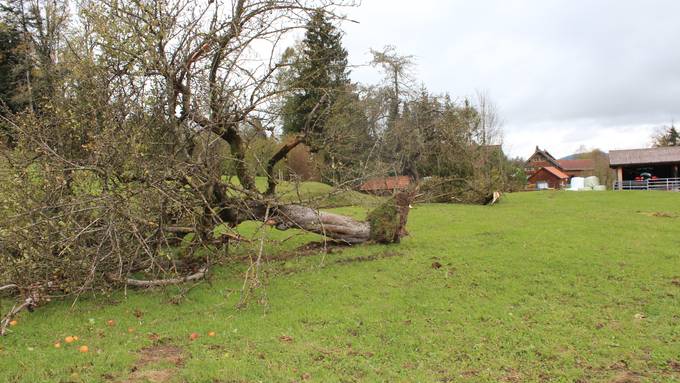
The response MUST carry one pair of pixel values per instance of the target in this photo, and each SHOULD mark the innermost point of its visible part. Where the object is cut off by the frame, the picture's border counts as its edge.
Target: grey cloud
(568, 67)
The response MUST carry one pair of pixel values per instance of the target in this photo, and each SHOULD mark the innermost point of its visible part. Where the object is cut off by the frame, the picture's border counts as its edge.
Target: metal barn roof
(576, 164)
(644, 156)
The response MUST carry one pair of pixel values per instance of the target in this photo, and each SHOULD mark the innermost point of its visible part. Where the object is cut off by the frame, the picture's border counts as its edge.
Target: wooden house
(549, 177)
(542, 166)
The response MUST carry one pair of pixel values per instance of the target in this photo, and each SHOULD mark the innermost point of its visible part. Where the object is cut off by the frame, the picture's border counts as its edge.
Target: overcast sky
(563, 73)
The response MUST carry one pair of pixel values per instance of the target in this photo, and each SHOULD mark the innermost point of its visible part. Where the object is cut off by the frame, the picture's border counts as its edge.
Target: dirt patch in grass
(308, 249)
(372, 257)
(660, 214)
(623, 373)
(626, 377)
(161, 353)
(151, 376)
(512, 376)
(147, 368)
(327, 246)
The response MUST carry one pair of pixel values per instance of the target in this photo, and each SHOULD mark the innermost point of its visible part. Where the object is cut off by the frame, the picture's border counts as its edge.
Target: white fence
(650, 184)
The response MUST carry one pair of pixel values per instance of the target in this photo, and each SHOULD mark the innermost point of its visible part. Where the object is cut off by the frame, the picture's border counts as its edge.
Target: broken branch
(10, 286)
(167, 282)
(12, 313)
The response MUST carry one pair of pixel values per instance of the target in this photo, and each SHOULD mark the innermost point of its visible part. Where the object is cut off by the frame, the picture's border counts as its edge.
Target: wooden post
(619, 177)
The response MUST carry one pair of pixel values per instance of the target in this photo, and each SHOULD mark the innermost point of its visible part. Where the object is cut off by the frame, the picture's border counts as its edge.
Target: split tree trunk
(334, 226)
(278, 156)
(385, 224)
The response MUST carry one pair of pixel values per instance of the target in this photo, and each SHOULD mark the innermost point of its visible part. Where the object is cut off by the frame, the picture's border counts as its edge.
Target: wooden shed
(549, 177)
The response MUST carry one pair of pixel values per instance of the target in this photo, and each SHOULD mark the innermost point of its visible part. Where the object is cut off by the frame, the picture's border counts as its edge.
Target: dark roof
(576, 164)
(644, 156)
(386, 183)
(545, 154)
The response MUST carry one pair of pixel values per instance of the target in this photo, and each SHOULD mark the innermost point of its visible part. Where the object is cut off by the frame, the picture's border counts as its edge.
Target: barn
(549, 177)
(385, 185)
(650, 168)
(577, 168)
(573, 168)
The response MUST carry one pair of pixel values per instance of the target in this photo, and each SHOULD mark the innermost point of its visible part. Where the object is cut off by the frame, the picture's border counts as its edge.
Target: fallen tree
(478, 191)
(385, 224)
(118, 167)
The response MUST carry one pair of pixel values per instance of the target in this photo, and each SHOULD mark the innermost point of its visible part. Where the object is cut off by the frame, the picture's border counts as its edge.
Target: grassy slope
(319, 194)
(543, 287)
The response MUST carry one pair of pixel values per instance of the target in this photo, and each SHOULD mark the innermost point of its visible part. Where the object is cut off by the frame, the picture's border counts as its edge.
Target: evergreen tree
(9, 62)
(673, 137)
(320, 74)
(13, 95)
(667, 137)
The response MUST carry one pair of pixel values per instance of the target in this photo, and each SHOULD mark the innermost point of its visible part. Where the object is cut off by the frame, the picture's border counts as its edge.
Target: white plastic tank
(592, 181)
(577, 183)
(600, 188)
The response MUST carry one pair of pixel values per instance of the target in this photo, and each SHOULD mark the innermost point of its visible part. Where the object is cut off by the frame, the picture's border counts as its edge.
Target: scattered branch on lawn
(8, 287)
(167, 282)
(27, 304)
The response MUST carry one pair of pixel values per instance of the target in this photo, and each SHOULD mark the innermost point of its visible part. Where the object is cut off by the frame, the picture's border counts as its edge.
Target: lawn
(315, 193)
(543, 287)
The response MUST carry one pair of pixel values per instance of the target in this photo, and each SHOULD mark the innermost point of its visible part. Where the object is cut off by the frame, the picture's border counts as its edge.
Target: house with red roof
(543, 167)
(385, 185)
(549, 177)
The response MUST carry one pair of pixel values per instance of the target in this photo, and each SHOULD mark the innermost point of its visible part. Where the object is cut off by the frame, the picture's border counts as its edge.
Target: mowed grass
(543, 287)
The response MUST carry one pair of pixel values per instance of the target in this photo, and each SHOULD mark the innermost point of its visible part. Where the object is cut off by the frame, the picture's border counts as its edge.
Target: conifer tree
(667, 137)
(320, 74)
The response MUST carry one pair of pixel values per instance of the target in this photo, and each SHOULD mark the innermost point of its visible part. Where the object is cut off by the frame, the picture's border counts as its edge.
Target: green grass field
(315, 193)
(544, 287)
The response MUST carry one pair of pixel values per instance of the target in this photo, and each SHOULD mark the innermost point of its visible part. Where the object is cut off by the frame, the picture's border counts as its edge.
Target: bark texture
(386, 224)
(335, 226)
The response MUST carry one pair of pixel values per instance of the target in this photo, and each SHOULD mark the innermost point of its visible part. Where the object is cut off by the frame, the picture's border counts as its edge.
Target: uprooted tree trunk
(385, 224)
(335, 226)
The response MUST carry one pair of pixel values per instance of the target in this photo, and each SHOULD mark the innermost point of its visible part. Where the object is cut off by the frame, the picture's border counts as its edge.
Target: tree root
(494, 198)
